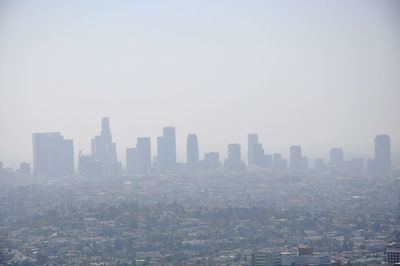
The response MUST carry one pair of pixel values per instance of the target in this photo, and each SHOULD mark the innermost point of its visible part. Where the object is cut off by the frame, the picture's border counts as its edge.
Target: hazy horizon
(316, 74)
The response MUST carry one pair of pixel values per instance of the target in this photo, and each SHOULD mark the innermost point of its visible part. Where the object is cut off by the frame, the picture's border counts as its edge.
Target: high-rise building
(143, 147)
(52, 154)
(252, 141)
(382, 154)
(192, 151)
(103, 160)
(24, 168)
(166, 149)
(336, 157)
(104, 150)
(138, 160)
(268, 160)
(278, 162)
(210, 161)
(295, 158)
(259, 156)
(234, 161)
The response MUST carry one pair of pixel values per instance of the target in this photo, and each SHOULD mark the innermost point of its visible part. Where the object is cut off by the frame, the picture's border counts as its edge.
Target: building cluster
(54, 156)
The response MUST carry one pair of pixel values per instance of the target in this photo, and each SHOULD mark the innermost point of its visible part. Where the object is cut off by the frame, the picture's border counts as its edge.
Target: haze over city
(316, 74)
(216, 133)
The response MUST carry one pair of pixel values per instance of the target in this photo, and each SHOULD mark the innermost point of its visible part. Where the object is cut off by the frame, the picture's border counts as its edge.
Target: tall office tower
(160, 153)
(166, 149)
(143, 147)
(295, 158)
(336, 157)
(268, 160)
(52, 154)
(382, 154)
(192, 151)
(259, 156)
(277, 161)
(252, 140)
(234, 161)
(138, 160)
(104, 150)
(210, 161)
(234, 153)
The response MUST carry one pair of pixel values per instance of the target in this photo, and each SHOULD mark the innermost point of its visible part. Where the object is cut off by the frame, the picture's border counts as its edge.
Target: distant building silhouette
(103, 160)
(320, 164)
(144, 151)
(192, 151)
(24, 168)
(52, 154)
(382, 154)
(278, 162)
(252, 141)
(268, 160)
(295, 158)
(210, 161)
(259, 156)
(336, 157)
(234, 161)
(138, 160)
(166, 150)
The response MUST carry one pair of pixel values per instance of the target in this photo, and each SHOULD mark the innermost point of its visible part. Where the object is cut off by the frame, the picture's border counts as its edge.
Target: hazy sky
(315, 73)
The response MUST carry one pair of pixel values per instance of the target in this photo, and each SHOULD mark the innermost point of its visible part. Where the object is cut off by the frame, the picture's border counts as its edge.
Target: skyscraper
(104, 153)
(259, 156)
(166, 149)
(138, 160)
(143, 147)
(252, 141)
(382, 154)
(210, 161)
(336, 157)
(192, 151)
(105, 150)
(52, 154)
(234, 161)
(295, 158)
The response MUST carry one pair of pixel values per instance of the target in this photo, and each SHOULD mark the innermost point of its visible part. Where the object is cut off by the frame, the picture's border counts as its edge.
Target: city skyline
(331, 154)
(319, 74)
(103, 159)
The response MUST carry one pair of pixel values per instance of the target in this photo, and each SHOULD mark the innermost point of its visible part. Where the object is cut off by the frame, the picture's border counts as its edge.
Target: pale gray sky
(315, 73)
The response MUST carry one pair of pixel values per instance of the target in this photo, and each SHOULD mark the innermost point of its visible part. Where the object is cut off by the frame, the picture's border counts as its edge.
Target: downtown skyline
(139, 160)
(181, 155)
(320, 75)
